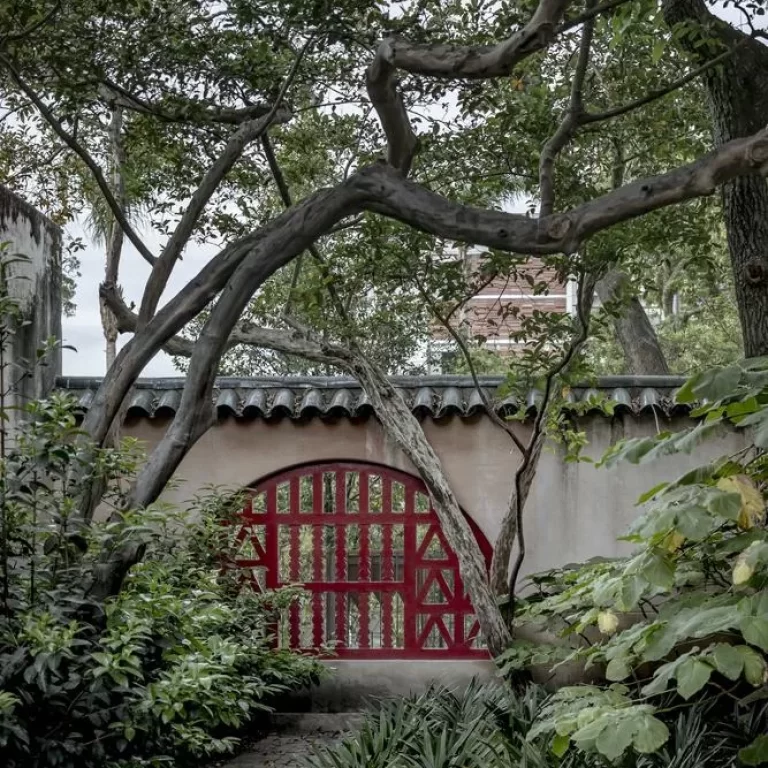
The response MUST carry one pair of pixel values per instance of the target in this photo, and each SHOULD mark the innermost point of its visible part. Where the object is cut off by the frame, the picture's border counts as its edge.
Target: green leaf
(648, 495)
(755, 631)
(727, 505)
(660, 571)
(754, 665)
(560, 745)
(756, 753)
(651, 734)
(692, 675)
(618, 669)
(658, 50)
(717, 384)
(728, 660)
(613, 741)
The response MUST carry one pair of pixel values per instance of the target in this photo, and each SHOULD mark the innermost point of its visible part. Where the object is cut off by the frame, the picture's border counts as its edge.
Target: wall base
(355, 685)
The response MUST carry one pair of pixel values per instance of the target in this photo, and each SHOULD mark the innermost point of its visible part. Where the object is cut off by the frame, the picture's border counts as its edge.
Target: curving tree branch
(454, 62)
(569, 124)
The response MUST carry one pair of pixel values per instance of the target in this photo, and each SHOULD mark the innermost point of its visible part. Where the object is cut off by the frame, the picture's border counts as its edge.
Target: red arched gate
(365, 543)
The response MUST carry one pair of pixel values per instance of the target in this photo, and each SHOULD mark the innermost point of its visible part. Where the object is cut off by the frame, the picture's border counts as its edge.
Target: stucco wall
(575, 510)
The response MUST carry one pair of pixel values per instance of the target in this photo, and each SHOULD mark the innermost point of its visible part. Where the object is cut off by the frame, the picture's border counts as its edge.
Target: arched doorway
(379, 577)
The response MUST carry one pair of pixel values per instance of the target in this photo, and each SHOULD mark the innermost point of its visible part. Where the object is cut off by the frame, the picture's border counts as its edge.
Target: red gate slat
(364, 560)
(341, 558)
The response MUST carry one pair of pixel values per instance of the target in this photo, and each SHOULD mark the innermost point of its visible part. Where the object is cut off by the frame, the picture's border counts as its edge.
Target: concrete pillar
(35, 284)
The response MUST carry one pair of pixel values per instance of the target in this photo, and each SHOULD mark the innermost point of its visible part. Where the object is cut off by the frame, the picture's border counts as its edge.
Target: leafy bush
(169, 669)
(683, 622)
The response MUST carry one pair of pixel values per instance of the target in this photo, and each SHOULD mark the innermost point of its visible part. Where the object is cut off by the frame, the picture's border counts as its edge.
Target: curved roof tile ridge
(432, 396)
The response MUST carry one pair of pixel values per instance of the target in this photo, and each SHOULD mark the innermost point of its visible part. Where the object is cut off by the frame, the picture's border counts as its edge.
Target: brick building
(495, 311)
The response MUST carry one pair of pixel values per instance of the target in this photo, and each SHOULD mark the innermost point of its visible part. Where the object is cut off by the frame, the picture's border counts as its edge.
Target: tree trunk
(738, 100)
(401, 426)
(633, 329)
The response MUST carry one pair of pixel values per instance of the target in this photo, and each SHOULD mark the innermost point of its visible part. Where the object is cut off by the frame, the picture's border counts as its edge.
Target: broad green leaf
(692, 675)
(648, 495)
(754, 665)
(660, 571)
(613, 741)
(727, 505)
(756, 753)
(632, 589)
(560, 744)
(650, 735)
(755, 631)
(716, 384)
(728, 660)
(618, 669)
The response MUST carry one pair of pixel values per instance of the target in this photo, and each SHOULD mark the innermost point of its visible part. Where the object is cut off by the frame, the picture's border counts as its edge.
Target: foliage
(171, 668)
(495, 725)
(482, 726)
(684, 619)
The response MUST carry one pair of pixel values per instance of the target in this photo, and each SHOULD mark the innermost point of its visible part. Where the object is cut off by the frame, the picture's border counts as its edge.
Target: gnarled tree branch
(247, 133)
(448, 62)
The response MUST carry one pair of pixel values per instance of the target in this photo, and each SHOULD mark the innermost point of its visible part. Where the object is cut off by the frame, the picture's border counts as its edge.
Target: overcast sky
(83, 331)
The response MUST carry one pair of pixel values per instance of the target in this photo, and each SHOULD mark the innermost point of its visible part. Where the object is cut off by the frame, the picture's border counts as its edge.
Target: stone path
(282, 751)
(294, 741)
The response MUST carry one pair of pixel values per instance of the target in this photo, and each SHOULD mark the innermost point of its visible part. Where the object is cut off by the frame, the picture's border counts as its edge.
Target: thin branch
(285, 194)
(584, 308)
(32, 28)
(112, 93)
(249, 131)
(596, 117)
(592, 13)
(462, 344)
(569, 124)
(85, 156)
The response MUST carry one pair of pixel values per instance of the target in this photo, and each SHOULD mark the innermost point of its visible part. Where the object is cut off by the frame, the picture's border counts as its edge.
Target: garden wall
(576, 511)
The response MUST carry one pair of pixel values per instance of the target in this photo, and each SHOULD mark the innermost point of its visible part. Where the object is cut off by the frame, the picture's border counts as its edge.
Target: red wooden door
(379, 577)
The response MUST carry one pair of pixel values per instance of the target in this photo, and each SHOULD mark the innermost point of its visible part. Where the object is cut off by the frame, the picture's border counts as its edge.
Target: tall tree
(738, 99)
(206, 86)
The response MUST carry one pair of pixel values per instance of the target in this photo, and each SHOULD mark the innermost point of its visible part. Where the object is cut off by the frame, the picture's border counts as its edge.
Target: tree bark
(404, 429)
(738, 100)
(633, 329)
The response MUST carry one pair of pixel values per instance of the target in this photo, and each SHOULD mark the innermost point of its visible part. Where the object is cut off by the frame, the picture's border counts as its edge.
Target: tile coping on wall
(306, 397)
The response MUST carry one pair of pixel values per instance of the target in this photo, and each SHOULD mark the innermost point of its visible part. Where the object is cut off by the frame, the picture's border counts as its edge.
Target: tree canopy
(336, 153)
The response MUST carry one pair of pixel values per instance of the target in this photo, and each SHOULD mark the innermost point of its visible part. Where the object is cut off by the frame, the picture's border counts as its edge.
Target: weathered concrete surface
(33, 278)
(296, 737)
(355, 685)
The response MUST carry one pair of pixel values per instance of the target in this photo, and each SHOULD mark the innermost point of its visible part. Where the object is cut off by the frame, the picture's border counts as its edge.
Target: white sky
(83, 331)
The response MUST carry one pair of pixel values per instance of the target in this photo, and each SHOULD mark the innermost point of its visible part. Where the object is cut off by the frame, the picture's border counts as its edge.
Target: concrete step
(315, 722)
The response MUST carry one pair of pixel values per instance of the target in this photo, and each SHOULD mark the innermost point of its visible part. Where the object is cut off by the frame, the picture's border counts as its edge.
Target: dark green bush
(165, 673)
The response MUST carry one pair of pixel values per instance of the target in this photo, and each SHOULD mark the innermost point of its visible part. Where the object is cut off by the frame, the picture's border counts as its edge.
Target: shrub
(682, 624)
(165, 672)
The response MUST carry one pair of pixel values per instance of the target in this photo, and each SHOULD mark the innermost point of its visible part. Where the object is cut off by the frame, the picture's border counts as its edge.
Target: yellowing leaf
(742, 572)
(608, 622)
(673, 541)
(752, 504)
